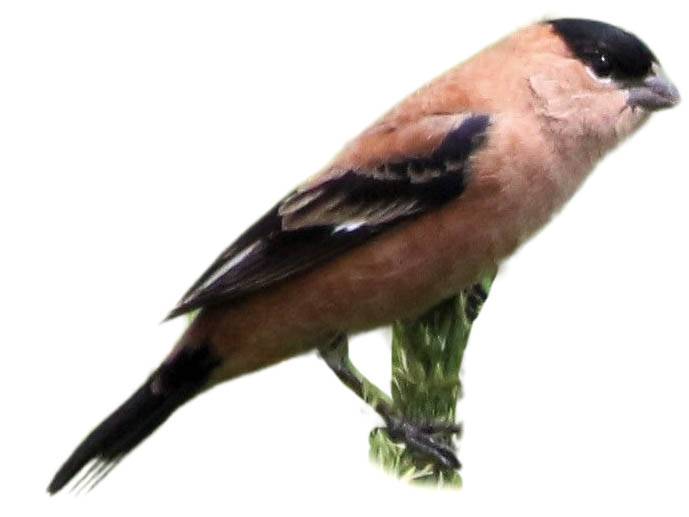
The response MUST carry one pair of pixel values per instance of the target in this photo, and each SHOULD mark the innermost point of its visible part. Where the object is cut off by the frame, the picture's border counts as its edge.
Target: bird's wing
(390, 174)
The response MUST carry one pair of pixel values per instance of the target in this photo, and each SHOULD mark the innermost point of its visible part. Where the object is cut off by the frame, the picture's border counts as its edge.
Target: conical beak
(655, 93)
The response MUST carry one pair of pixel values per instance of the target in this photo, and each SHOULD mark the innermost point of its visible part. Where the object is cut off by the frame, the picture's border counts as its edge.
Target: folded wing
(358, 197)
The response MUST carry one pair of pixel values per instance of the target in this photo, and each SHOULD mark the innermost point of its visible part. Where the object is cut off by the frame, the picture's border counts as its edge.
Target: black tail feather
(177, 380)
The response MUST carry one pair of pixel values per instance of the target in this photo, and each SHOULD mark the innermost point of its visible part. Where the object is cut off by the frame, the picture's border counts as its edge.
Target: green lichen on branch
(427, 356)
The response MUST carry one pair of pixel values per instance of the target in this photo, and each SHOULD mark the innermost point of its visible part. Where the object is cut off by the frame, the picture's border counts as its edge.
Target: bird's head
(596, 79)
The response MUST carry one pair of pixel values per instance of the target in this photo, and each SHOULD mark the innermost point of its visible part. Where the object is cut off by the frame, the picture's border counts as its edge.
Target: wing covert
(337, 212)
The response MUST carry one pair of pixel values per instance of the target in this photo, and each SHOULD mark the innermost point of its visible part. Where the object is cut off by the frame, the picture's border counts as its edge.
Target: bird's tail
(183, 375)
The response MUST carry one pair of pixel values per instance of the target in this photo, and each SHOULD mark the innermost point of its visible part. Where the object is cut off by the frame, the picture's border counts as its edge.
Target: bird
(436, 193)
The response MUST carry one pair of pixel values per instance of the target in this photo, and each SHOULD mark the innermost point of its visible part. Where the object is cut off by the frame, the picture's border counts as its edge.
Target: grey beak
(657, 92)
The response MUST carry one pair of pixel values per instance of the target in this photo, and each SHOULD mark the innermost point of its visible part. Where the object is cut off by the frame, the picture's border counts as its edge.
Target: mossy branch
(427, 356)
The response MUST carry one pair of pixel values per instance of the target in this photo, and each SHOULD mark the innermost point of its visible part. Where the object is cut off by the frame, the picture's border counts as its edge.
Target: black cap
(608, 50)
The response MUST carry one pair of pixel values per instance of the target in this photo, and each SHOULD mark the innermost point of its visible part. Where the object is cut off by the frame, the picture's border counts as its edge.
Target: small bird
(431, 197)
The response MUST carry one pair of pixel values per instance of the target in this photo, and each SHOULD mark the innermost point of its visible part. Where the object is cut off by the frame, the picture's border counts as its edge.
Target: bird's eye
(601, 64)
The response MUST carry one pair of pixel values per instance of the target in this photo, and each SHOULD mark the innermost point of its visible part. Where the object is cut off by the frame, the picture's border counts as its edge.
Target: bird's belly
(398, 275)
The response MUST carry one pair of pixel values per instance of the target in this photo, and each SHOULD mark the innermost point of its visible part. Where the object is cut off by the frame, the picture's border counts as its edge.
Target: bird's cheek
(550, 95)
(607, 117)
(629, 120)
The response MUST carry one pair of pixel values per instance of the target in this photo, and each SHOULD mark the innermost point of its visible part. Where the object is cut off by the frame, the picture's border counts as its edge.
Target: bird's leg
(426, 357)
(420, 438)
(336, 355)
(476, 296)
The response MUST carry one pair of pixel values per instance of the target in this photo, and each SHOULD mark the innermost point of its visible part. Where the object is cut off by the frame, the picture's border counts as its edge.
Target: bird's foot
(429, 440)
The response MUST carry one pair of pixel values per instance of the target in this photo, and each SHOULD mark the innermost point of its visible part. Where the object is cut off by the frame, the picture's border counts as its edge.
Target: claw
(420, 439)
(441, 428)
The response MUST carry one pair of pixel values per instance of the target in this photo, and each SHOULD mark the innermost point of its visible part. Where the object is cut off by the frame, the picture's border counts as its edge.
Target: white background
(137, 139)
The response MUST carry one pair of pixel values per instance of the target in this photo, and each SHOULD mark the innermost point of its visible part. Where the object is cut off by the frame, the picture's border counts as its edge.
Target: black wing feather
(312, 226)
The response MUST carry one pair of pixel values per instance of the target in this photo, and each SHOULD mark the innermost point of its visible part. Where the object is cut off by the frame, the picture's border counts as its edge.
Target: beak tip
(669, 92)
(657, 93)
(677, 98)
